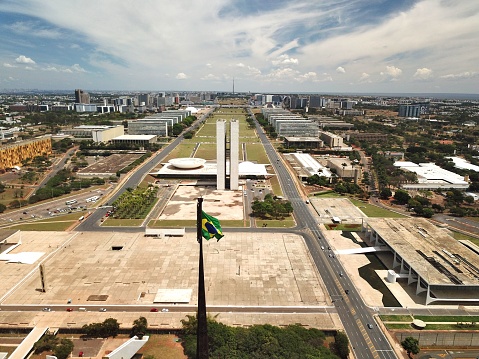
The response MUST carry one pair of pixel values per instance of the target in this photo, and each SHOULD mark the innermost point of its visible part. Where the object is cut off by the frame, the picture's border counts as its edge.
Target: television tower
(233, 85)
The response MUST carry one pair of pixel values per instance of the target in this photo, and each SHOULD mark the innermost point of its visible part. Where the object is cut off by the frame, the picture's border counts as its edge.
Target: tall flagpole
(202, 330)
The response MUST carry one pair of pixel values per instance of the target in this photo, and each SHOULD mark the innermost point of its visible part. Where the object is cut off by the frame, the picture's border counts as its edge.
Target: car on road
(102, 309)
(153, 310)
(370, 326)
(346, 291)
(69, 309)
(164, 310)
(46, 309)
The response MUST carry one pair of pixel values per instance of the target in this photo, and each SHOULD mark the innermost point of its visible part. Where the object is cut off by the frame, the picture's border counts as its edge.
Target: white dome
(187, 163)
(192, 109)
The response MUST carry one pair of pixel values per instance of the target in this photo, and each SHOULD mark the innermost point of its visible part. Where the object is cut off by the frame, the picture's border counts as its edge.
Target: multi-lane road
(366, 339)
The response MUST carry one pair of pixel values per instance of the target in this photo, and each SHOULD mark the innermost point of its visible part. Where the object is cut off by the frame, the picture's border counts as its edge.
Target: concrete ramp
(128, 349)
(362, 250)
(26, 345)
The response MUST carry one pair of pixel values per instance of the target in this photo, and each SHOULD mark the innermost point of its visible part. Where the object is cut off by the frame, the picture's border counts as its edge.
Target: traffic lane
(172, 307)
(52, 208)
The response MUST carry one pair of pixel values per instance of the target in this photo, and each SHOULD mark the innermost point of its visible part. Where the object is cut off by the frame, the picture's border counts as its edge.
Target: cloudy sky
(385, 46)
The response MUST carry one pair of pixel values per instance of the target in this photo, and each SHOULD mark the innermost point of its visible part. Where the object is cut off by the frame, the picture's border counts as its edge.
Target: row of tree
(263, 341)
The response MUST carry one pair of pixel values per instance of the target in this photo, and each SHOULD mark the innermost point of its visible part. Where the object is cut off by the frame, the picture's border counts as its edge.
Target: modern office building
(413, 110)
(331, 140)
(227, 155)
(95, 133)
(150, 126)
(296, 128)
(82, 96)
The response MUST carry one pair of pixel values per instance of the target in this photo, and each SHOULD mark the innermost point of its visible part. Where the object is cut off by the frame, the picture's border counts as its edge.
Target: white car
(46, 309)
(164, 310)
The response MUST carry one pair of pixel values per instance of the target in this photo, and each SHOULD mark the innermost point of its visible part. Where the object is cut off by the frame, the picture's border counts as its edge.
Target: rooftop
(431, 251)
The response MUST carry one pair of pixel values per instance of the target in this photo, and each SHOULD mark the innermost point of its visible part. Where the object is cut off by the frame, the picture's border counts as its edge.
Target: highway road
(365, 337)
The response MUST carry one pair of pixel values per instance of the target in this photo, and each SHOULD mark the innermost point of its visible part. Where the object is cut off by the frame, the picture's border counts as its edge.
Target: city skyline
(406, 46)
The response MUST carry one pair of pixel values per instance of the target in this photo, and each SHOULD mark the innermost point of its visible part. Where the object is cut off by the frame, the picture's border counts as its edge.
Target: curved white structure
(187, 163)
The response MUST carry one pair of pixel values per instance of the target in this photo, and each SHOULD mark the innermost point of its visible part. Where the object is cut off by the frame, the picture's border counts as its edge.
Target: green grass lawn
(327, 194)
(43, 226)
(56, 223)
(374, 211)
(181, 151)
(164, 346)
(275, 186)
(255, 153)
(206, 151)
(273, 223)
(396, 318)
(460, 236)
(447, 318)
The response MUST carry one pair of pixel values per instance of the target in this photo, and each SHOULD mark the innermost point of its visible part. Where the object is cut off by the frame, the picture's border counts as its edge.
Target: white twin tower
(227, 155)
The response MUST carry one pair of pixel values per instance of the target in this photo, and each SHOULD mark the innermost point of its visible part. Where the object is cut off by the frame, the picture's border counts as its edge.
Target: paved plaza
(260, 269)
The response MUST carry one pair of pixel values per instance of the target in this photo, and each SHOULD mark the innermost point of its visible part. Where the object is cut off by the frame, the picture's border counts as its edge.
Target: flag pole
(202, 330)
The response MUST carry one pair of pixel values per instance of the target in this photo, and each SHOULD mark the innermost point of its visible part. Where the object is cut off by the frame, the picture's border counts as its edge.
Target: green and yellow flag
(210, 227)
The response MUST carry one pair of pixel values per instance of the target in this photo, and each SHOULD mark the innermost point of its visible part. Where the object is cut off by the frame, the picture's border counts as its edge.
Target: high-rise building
(234, 155)
(221, 154)
(227, 149)
(413, 110)
(82, 96)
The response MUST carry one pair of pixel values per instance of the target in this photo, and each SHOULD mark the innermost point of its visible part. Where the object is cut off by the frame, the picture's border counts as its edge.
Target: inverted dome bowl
(187, 163)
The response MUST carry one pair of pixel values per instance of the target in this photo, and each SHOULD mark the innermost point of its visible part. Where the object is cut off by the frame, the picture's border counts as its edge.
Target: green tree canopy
(411, 346)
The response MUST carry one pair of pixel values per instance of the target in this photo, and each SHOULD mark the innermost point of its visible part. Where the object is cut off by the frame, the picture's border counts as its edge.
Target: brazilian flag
(210, 227)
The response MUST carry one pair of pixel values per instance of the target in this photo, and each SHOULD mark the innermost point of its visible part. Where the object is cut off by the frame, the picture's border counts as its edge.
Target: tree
(177, 129)
(341, 345)
(139, 328)
(411, 346)
(385, 193)
(402, 196)
(2, 208)
(64, 349)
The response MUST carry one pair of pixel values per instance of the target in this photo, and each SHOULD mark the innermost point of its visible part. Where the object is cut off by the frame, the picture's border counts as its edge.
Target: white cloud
(77, 68)
(22, 59)
(5, 64)
(364, 77)
(462, 75)
(34, 29)
(181, 76)
(340, 70)
(208, 65)
(50, 68)
(29, 68)
(211, 77)
(392, 72)
(309, 76)
(423, 73)
(284, 60)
